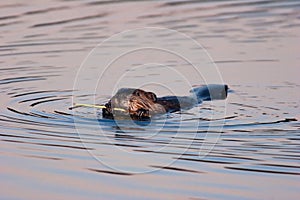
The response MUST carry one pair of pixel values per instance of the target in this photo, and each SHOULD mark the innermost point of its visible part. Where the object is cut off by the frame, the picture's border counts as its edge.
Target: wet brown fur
(137, 103)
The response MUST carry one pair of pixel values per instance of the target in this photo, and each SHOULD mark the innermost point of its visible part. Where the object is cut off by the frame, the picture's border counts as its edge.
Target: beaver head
(137, 103)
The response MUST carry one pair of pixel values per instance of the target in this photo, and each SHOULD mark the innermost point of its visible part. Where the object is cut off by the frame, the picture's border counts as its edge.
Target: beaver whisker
(137, 103)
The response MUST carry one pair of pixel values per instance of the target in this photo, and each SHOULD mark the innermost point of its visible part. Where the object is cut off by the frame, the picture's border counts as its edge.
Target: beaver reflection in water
(141, 105)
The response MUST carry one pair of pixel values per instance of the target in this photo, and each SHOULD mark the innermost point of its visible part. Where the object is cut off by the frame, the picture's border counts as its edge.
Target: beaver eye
(152, 96)
(137, 93)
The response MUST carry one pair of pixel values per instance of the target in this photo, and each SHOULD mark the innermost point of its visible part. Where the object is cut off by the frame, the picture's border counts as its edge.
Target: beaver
(141, 105)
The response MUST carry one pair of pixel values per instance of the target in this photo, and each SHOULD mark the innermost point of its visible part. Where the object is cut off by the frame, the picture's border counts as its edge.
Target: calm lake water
(246, 147)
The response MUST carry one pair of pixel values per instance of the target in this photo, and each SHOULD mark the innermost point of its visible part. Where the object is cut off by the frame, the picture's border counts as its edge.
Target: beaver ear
(152, 96)
(137, 92)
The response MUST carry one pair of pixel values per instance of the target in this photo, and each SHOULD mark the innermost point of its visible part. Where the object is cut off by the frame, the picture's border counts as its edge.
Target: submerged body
(141, 105)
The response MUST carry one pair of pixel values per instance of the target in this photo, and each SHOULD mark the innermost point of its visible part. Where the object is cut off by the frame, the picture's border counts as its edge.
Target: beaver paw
(140, 114)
